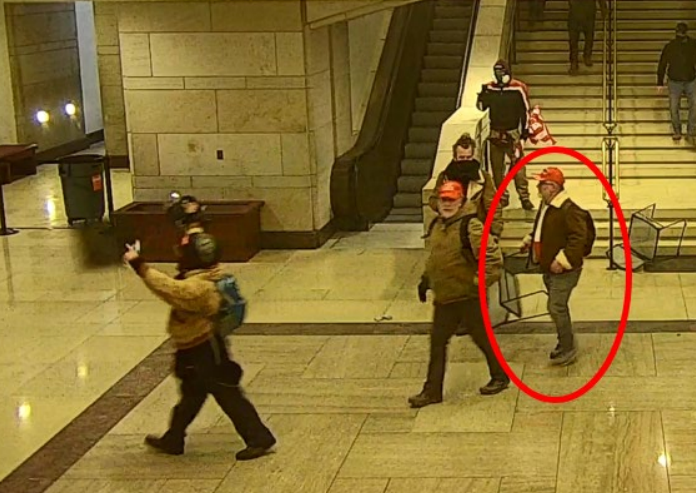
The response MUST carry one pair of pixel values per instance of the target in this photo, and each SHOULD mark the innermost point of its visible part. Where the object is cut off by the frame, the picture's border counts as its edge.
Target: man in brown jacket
(479, 189)
(202, 362)
(557, 245)
(452, 274)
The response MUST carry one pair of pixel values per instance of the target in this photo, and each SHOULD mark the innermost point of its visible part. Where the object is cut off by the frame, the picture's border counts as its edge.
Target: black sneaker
(527, 205)
(251, 453)
(566, 357)
(556, 352)
(164, 445)
(424, 399)
(494, 387)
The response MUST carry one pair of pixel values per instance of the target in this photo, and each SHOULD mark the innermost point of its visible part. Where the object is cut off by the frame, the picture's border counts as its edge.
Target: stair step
(624, 16)
(638, 45)
(441, 75)
(398, 217)
(451, 49)
(424, 134)
(622, 36)
(451, 36)
(420, 151)
(412, 183)
(562, 57)
(439, 89)
(416, 167)
(408, 200)
(561, 68)
(430, 118)
(575, 115)
(458, 12)
(586, 78)
(621, 24)
(457, 25)
(628, 5)
(443, 61)
(436, 104)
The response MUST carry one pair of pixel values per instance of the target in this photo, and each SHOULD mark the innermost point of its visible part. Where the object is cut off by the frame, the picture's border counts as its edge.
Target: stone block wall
(44, 63)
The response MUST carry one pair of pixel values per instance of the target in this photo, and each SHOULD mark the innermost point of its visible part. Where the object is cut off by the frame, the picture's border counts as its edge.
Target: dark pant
(498, 152)
(676, 90)
(208, 369)
(560, 287)
(536, 9)
(576, 26)
(446, 321)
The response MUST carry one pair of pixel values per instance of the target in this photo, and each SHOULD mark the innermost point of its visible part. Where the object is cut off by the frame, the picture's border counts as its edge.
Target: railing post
(610, 143)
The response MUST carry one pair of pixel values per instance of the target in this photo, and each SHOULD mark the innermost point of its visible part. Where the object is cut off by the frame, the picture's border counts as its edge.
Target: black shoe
(251, 453)
(164, 445)
(588, 61)
(556, 352)
(461, 331)
(527, 205)
(566, 357)
(494, 387)
(574, 70)
(424, 399)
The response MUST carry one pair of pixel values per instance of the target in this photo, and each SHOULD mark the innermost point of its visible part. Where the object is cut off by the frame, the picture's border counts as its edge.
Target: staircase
(653, 168)
(438, 89)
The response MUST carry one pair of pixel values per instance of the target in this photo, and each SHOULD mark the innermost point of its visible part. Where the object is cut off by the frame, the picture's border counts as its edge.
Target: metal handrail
(467, 53)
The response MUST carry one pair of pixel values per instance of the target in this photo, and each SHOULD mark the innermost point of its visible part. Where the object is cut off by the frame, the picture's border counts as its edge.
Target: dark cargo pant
(497, 154)
(560, 287)
(446, 320)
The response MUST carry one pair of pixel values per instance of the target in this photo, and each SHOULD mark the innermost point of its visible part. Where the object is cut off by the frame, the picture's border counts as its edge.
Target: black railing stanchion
(4, 230)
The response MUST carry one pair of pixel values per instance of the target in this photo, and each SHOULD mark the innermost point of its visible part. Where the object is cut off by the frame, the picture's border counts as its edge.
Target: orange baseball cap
(552, 175)
(452, 190)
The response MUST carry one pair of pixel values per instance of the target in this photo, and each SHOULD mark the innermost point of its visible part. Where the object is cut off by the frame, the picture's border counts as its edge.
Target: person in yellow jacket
(451, 273)
(202, 362)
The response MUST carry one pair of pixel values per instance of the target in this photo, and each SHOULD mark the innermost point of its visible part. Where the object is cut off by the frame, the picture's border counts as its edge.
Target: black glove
(525, 134)
(423, 289)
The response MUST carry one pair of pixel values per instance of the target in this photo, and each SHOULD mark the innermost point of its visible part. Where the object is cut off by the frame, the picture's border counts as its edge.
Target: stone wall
(8, 125)
(237, 100)
(44, 62)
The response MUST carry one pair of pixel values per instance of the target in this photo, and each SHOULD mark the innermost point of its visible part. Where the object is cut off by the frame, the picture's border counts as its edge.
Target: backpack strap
(467, 248)
(429, 231)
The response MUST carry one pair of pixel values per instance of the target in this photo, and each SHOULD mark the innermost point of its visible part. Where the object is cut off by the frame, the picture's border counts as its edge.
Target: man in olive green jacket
(452, 274)
(479, 189)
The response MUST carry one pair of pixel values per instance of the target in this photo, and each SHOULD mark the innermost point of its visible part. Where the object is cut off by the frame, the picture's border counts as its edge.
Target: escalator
(416, 89)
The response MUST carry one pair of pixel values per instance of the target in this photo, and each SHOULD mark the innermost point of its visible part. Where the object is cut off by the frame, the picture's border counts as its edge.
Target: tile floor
(337, 403)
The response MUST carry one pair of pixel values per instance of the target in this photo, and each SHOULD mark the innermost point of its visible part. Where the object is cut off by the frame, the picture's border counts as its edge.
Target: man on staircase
(507, 100)
(581, 19)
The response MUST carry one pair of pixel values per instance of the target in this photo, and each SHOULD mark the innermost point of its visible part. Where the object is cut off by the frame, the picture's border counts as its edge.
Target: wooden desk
(21, 159)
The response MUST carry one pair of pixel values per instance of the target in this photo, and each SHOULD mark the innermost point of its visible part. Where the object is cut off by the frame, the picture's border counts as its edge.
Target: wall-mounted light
(70, 109)
(42, 116)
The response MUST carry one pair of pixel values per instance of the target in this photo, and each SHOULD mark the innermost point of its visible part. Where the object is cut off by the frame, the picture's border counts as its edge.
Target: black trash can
(82, 180)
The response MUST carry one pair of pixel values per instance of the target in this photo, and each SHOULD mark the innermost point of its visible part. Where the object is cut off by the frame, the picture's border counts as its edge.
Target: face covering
(501, 77)
(463, 171)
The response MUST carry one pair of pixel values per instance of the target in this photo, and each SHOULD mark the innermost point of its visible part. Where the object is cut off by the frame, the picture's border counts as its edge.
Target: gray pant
(677, 89)
(497, 155)
(559, 287)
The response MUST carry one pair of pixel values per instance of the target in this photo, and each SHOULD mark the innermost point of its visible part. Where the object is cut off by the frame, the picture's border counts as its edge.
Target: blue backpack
(233, 306)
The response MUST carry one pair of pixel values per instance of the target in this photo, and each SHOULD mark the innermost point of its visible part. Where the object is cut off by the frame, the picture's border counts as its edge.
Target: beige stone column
(8, 125)
(111, 82)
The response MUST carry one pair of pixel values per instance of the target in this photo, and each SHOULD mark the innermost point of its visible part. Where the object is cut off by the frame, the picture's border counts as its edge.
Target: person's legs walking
(560, 287)
(573, 41)
(675, 92)
(690, 91)
(477, 329)
(446, 319)
(193, 396)
(588, 30)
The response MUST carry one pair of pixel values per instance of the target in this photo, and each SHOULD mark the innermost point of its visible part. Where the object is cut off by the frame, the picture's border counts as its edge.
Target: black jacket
(508, 105)
(585, 9)
(678, 59)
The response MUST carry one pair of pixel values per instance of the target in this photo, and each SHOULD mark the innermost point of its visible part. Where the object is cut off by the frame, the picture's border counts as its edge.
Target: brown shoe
(424, 399)
(676, 137)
